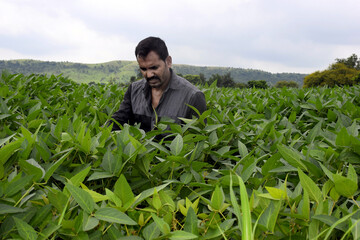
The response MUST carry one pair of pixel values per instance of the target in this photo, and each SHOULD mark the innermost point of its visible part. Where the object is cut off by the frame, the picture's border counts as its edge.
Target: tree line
(226, 80)
(344, 72)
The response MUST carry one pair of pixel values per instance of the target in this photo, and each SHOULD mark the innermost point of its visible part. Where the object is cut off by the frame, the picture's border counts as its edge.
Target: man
(160, 93)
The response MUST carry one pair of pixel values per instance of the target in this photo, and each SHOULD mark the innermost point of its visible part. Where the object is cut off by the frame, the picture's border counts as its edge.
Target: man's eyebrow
(152, 67)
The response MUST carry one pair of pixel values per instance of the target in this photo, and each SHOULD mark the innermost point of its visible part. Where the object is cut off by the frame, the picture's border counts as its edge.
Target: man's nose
(149, 74)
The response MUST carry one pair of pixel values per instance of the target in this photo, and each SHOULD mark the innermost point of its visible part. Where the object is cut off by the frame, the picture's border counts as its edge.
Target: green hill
(122, 71)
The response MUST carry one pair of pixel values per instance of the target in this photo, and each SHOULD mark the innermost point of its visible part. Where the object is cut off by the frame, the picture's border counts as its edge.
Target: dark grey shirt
(136, 106)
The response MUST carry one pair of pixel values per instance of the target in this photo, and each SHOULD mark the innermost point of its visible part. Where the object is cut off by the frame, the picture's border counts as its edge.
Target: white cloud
(276, 36)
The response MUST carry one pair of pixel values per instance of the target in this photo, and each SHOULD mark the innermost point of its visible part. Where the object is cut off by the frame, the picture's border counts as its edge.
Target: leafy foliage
(289, 84)
(338, 74)
(268, 163)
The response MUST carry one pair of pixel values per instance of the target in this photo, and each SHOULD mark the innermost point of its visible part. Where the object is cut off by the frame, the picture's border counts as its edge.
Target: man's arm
(198, 101)
(124, 114)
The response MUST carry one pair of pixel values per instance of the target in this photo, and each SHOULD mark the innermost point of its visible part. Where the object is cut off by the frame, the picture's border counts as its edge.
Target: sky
(300, 36)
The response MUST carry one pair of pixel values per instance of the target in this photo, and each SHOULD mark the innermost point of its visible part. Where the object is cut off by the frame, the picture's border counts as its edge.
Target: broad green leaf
(82, 197)
(210, 128)
(31, 167)
(217, 199)
(50, 229)
(123, 190)
(25, 230)
(352, 175)
(277, 193)
(149, 192)
(291, 156)
(9, 149)
(80, 176)
(100, 175)
(161, 224)
(176, 145)
(97, 197)
(191, 222)
(156, 202)
(314, 132)
(151, 231)
(114, 216)
(182, 235)
(17, 184)
(41, 215)
(309, 186)
(344, 186)
(89, 223)
(5, 209)
(330, 220)
(269, 218)
(242, 149)
(343, 138)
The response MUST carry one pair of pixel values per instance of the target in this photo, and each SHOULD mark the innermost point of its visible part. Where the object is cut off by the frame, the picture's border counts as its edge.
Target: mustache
(153, 77)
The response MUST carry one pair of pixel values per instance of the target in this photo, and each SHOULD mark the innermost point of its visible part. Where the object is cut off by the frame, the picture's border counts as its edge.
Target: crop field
(266, 164)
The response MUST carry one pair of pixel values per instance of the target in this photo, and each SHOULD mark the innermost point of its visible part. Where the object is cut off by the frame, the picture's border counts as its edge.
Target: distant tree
(240, 85)
(222, 80)
(351, 62)
(257, 84)
(288, 84)
(195, 79)
(338, 74)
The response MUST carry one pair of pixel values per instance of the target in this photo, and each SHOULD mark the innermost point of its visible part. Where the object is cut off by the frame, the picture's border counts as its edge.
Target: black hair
(149, 44)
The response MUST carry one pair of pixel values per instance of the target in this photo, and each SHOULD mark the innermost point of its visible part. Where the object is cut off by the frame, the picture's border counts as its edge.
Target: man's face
(155, 71)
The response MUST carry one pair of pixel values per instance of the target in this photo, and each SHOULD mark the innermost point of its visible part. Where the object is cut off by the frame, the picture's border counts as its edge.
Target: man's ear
(168, 61)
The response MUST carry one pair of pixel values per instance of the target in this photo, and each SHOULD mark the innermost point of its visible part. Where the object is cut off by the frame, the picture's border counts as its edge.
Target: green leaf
(352, 174)
(309, 186)
(242, 149)
(5, 209)
(344, 186)
(161, 224)
(82, 197)
(50, 229)
(123, 190)
(291, 156)
(176, 145)
(100, 175)
(149, 192)
(31, 167)
(41, 215)
(235, 204)
(17, 184)
(114, 216)
(191, 222)
(89, 223)
(151, 231)
(25, 230)
(277, 193)
(245, 207)
(9, 149)
(343, 138)
(80, 177)
(182, 235)
(217, 198)
(269, 218)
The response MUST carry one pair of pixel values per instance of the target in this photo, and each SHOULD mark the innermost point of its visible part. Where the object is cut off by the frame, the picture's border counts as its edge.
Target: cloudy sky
(276, 36)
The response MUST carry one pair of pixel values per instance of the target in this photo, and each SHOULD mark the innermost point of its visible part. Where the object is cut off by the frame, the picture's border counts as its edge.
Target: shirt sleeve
(125, 113)
(198, 101)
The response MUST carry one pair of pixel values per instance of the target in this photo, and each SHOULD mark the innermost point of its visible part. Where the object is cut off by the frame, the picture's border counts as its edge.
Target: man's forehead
(151, 55)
